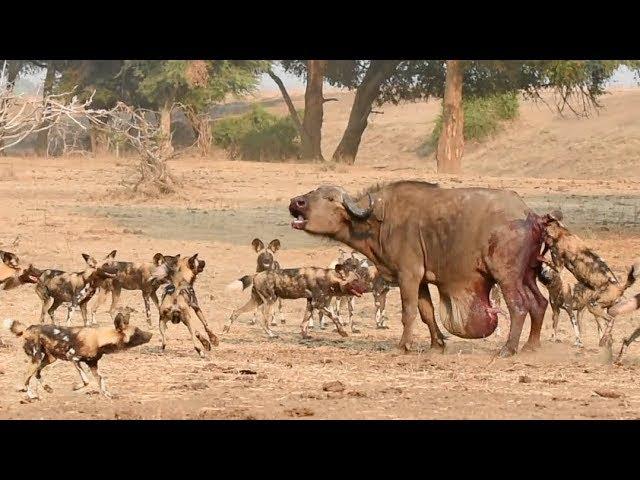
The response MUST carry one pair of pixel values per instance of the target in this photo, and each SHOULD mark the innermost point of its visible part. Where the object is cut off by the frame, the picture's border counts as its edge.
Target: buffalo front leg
(427, 314)
(537, 306)
(409, 286)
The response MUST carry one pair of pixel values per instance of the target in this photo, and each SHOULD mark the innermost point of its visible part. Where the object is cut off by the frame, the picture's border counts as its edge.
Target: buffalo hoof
(531, 346)
(405, 347)
(506, 352)
(343, 333)
(436, 347)
(213, 338)
(382, 327)
(355, 330)
(226, 329)
(606, 341)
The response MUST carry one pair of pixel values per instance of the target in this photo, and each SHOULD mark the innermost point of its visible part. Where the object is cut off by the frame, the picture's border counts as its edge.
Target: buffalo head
(326, 210)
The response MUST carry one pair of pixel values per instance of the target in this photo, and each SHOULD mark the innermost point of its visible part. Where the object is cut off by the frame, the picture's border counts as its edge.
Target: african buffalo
(463, 240)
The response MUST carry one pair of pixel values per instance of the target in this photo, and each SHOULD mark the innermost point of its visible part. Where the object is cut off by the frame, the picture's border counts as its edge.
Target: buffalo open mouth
(299, 222)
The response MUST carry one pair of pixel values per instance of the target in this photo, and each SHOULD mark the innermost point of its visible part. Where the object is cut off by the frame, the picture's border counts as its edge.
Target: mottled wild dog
(56, 287)
(13, 274)
(132, 276)
(317, 285)
(177, 270)
(588, 268)
(44, 344)
(266, 261)
(560, 298)
(174, 307)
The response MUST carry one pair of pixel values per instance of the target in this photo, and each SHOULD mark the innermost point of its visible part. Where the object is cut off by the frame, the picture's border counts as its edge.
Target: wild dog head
(554, 228)
(266, 256)
(174, 306)
(10, 259)
(128, 336)
(176, 268)
(102, 270)
(30, 275)
(349, 281)
(547, 273)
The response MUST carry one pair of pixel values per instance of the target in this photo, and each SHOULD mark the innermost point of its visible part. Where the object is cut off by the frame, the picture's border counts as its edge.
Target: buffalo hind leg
(427, 314)
(517, 306)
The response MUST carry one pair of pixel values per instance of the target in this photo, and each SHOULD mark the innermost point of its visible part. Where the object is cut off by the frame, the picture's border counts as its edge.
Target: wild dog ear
(341, 270)
(112, 255)
(274, 245)
(194, 263)
(121, 322)
(169, 289)
(257, 245)
(90, 260)
(158, 259)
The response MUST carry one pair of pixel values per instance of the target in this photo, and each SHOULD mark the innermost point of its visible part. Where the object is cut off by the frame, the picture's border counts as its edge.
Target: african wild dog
(174, 307)
(56, 287)
(132, 276)
(44, 344)
(560, 297)
(588, 268)
(375, 284)
(12, 274)
(317, 285)
(266, 261)
(177, 270)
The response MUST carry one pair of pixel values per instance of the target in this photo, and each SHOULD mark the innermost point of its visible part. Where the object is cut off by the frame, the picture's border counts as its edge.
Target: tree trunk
(201, 129)
(13, 70)
(42, 143)
(287, 99)
(451, 141)
(313, 110)
(366, 94)
(99, 142)
(165, 126)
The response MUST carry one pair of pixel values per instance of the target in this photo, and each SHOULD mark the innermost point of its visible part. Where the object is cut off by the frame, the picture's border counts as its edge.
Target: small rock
(524, 379)
(608, 393)
(336, 386)
(355, 393)
(246, 371)
(299, 412)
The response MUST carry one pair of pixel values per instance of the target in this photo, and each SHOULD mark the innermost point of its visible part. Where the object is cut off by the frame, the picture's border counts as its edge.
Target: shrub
(257, 135)
(482, 117)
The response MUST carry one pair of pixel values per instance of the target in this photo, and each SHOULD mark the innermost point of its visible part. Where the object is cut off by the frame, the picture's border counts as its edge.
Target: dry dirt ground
(54, 210)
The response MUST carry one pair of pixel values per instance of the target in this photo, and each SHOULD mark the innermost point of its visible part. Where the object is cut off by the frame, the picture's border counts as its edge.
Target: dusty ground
(54, 210)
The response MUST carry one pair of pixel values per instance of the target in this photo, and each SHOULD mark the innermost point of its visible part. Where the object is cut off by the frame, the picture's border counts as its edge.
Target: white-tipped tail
(7, 324)
(235, 286)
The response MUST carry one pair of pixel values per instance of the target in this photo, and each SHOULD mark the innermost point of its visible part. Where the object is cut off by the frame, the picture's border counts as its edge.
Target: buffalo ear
(158, 259)
(378, 209)
(274, 245)
(257, 245)
(90, 260)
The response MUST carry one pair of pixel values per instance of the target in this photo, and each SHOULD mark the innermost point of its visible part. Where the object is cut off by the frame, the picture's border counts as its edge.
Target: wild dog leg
(322, 307)
(52, 310)
(31, 371)
(83, 377)
(115, 299)
(626, 342)
(254, 318)
(83, 312)
(162, 326)
(187, 323)
(380, 302)
(308, 312)
(147, 306)
(101, 297)
(212, 336)
(340, 307)
(280, 314)
(606, 340)
(70, 310)
(575, 325)
(555, 318)
(252, 304)
(93, 366)
(427, 314)
(350, 301)
(266, 315)
(46, 305)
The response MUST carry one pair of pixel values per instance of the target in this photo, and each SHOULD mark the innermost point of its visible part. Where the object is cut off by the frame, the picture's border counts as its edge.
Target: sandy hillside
(54, 210)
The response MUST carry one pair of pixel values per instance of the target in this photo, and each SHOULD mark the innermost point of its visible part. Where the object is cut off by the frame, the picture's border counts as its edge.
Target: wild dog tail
(241, 283)
(634, 274)
(14, 327)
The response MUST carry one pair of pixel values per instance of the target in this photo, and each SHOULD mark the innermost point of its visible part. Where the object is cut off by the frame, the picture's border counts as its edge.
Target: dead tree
(138, 129)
